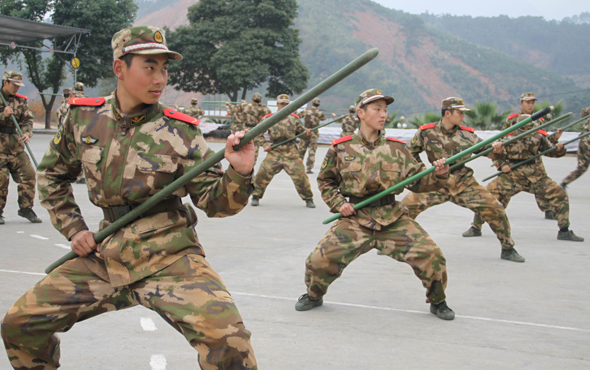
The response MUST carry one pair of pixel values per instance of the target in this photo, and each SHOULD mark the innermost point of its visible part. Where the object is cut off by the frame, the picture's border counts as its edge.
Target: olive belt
(112, 214)
(7, 130)
(386, 200)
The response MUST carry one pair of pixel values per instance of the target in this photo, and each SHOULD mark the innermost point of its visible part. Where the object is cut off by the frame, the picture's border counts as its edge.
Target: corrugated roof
(22, 30)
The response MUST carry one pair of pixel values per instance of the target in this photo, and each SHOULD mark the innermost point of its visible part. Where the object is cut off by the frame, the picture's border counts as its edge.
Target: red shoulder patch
(426, 127)
(396, 140)
(542, 119)
(268, 115)
(168, 112)
(91, 102)
(294, 115)
(513, 115)
(342, 140)
(465, 128)
(544, 133)
(21, 96)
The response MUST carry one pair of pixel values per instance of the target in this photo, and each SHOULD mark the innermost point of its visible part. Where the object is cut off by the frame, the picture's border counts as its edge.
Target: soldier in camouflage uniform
(63, 109)
(253, 114)
(531, 178)
(583, 152)
(355, 168)
(350, 123)
(78, 90)
(130, 152)
(14, 161)
(284, 157)
(443, 140)
(193, 110)
(236, 111)
(311, 119)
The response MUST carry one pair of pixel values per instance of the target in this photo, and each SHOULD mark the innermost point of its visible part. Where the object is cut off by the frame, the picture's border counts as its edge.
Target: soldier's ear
(118, 66)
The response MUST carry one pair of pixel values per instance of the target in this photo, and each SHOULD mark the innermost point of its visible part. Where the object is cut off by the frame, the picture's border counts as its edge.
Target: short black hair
(442, 112)
(128, 58)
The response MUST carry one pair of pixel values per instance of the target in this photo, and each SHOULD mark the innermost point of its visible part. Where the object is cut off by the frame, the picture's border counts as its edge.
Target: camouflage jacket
(236, 111)
(440, 143)
(127, 159)
(285, 129)
(525, 148)
(62, 112)
(194, 111)
(586, 113)
(9, 144)
(355, 167)
(350, 123)
(517, 117)
(253, 114)
(311, 118)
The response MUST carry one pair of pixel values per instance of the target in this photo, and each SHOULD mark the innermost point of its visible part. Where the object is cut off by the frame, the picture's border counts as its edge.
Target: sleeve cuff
(234, 176)
(73, 229)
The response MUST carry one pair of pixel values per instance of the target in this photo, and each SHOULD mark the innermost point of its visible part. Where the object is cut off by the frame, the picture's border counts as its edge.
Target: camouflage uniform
(311, 119)
(194, 111)
(236, 111)
(14, 161)
(354, 167)
(462, 188)
(284, 156)
(583, 151)
(253, 114)
(350, 123)
(156, 260)
(63, 109)
(530, 177)
(78, 90)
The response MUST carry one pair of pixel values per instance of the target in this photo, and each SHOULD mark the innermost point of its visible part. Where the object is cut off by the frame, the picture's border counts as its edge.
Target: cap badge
(158, 37)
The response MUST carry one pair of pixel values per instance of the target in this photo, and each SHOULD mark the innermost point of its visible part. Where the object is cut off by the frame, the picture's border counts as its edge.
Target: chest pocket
(91, 161)
(156, 171)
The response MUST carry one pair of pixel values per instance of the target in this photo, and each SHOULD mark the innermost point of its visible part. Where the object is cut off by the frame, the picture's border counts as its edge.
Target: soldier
(13, 159)
(282, 157)
(253, 114)
(350, 123)
(583, 152)
(532, 178)
(442, 140)
(236, 111)
(64, 107)
(78, 90)
(193, 110)
(355, 168)
(311, 119)
(157, 260)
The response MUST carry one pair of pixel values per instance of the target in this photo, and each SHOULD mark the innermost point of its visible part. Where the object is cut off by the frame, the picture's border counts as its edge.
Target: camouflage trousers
(274, 163)
(189, 295)
(476, 198)
(22, 172)
(504, 187)
(404, 240)
(310, 143)
(583, 160)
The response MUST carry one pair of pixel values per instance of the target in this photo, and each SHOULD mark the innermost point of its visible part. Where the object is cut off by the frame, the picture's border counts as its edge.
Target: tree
(485, 116)
(238, 45)
(102, 17)
(429, 117)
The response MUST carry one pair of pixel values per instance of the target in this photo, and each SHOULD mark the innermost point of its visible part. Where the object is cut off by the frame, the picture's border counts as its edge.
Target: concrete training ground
(509, 316)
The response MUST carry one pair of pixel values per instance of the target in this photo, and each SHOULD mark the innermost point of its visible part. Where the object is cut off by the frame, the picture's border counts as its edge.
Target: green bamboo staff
(569, 125)
(215, 158)
(528, 132)
(19, 130)
(536, 156)
(467, 151)
(305, 133)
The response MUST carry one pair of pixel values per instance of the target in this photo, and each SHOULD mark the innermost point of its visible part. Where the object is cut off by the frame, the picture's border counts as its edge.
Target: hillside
(418, 65)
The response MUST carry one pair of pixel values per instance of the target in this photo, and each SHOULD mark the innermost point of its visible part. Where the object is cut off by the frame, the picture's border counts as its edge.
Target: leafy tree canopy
(238, 45)
(485, 116)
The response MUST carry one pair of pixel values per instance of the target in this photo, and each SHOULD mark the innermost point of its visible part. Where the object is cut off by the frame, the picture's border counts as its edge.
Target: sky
(549, 9)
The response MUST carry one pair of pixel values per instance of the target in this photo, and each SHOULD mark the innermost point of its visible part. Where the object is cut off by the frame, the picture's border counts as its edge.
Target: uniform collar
(126, 120)
(367, 143)
(444, 130)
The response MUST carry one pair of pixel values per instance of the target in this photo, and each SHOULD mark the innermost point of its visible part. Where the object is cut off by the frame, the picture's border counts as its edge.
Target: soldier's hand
(7, 112)
(241, 160)
(506, 168)
(83, 243)
(347, 210)
(558, 133)
(441, 167)
(307, 132)
(497, 147)
(559, 146)
(25, 138)
(267, 148)
(334, 115)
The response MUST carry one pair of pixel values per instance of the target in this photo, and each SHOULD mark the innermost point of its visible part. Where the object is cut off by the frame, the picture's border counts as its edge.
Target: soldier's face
(374, 114)
(456, 117)
(281, 105)
(10, 87)
(527, 106)
(145, 80)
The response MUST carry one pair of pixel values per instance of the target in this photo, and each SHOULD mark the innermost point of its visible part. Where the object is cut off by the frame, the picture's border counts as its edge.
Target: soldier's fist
(83, 243)
(347, 210)
(8, 111)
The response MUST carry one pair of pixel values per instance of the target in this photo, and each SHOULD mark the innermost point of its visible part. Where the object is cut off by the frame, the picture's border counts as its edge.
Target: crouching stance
(355, 168)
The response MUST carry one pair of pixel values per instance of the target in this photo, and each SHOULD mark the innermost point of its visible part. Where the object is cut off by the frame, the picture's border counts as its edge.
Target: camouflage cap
(283, 98)
(144, 40)
(370, 95)
(316, 101)
(194, 101)
(79, 86)
(454, 103)
(257, 97)
(67, 90)
(352, 109)
(14, 77)
(528, 96)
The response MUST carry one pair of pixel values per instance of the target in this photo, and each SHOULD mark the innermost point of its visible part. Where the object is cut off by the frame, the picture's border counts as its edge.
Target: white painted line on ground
(22, 272)
(426, 313)
(63, 246)
(158, 362)
(148, 324)
(38, 237)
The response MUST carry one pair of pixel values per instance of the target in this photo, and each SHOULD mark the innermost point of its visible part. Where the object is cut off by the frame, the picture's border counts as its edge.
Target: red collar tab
(91, 102)
(426, 127)
(544, 133)
(465, 128)
(342, 140)
(168, 112)
(21, 96)
(513, 115)
(396, 140)
(294, 115)
(268, 115)
(542, 119)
